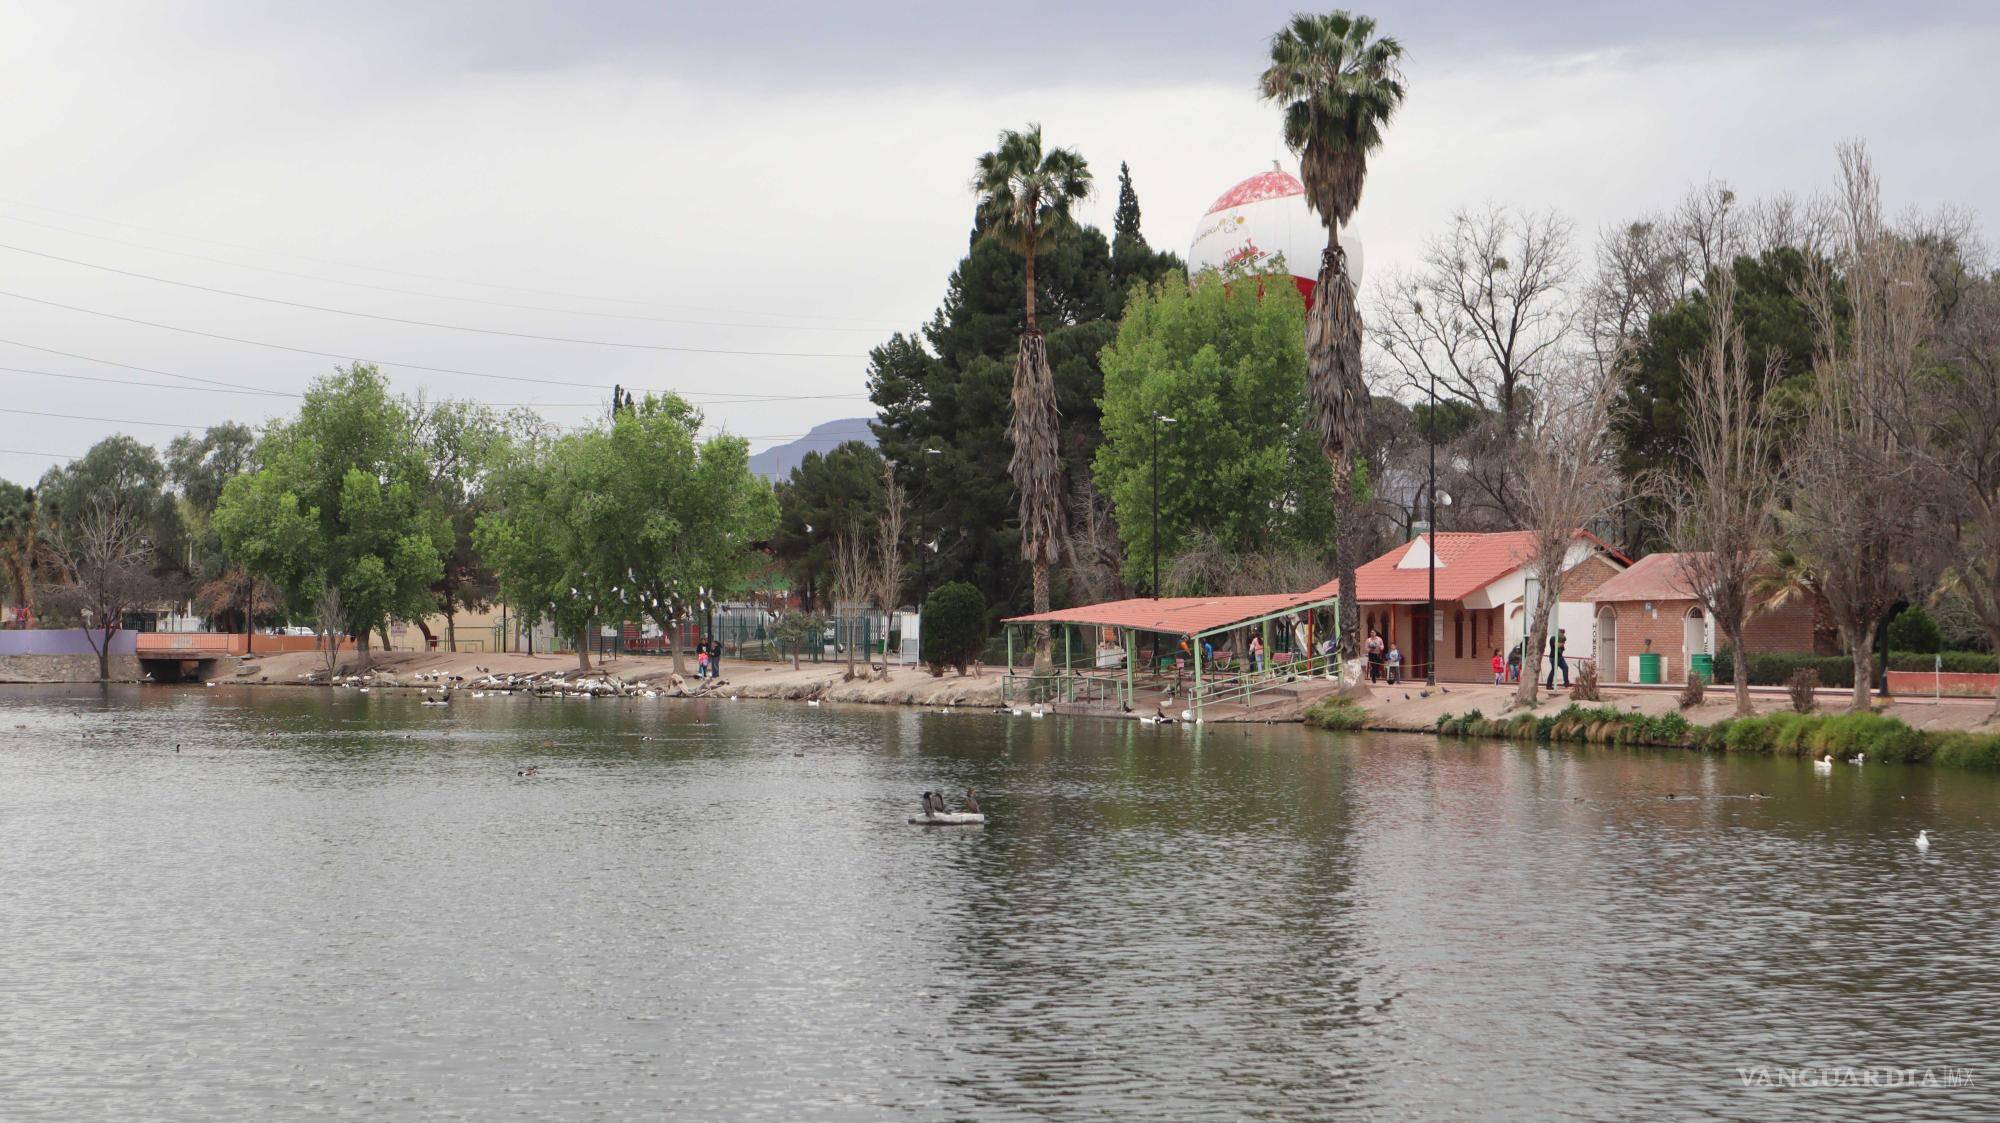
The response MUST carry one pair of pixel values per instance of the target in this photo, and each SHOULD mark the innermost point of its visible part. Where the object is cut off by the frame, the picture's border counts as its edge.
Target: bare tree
(329, 621)
(1721, 505)
(1569, 481)
(853, 579)
(1488, 307)
(1860, 488)
(106, 560)
(1096, 553)
(889, 552)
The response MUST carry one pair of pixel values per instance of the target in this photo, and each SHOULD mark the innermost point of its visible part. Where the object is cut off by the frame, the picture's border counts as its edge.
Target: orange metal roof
(1175, 615)
(1468, 561)
(1653, 577)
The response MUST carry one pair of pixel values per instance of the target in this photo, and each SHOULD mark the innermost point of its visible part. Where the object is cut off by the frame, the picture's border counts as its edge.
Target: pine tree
(1125, 231)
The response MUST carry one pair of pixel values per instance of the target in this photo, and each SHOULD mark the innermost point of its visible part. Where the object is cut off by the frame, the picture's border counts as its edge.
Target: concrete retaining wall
(65, 668)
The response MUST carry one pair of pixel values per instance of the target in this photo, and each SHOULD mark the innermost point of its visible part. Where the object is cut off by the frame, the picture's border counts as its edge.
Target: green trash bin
(1702, 665)
(1649, 668)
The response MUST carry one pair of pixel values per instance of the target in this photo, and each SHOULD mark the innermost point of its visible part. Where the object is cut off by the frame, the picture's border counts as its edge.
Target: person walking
(1395, 663)
(1374, 648)
(1499, 668)
(1558, 648)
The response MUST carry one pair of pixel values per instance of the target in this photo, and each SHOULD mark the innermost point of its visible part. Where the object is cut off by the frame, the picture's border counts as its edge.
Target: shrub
(1967, 750)
(1340, 712)
(953, 628)
(1585, 689)
(1882, 737)
(1777, 668)
(1803, 682)
(1693, 693)
(1914, 630)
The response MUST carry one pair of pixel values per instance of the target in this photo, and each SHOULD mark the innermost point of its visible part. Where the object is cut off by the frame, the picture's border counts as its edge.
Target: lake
(337, 904)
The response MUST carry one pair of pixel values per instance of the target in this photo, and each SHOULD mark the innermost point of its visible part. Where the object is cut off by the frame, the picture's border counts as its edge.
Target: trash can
(1649, 668)
(1702, 665)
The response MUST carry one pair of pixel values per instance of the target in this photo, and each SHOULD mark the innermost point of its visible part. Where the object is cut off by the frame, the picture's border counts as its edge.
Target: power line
(430, 323)
(398, 272)
(437, 295)
(51, 455)
(692, 397)
(147, 370)
(298, 350)
(105, 420)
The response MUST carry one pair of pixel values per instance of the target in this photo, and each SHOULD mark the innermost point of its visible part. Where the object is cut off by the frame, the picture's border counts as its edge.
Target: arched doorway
(1694, 636)
(1607, 644)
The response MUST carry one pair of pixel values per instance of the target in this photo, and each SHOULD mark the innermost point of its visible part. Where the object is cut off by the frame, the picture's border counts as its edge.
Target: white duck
(1923, 841)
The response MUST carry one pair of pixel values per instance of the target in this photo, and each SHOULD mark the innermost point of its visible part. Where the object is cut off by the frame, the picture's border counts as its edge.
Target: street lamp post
(1431, 645)
(1158, 420)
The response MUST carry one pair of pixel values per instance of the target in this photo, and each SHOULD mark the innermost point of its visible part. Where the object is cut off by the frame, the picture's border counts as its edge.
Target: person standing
(714, 656)
(1256, 654)
(1499, 668)
(1374, 649)
(1395, 663)
(1558, 647)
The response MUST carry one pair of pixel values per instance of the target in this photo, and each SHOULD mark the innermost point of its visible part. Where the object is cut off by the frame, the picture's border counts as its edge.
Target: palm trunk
(1045, 663)
(1339, 401)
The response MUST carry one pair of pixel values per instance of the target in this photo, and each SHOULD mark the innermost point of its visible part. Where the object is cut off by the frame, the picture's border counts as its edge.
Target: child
(1499, 669)
(1395, 664)
(701, 663)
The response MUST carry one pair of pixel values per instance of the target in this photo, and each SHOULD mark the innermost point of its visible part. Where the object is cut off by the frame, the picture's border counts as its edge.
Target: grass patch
(1336, 712)
(1842, 736)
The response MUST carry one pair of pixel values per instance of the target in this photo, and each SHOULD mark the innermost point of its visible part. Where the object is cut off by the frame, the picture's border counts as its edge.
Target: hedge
(1775, 668)
(1841, 736)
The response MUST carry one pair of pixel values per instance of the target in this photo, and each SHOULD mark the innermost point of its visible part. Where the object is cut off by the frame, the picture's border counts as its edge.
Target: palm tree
(1025, 195)
(22, 551)
(1339, 86)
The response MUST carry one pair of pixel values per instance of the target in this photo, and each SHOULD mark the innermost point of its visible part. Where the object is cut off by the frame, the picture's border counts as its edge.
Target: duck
(1923, 840)
(812, 701)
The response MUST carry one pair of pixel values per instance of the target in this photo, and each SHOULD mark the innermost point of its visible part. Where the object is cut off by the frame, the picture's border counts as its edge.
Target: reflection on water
(333, 903)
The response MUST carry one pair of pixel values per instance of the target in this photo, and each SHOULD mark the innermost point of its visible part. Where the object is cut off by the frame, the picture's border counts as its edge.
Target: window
(1457, 635)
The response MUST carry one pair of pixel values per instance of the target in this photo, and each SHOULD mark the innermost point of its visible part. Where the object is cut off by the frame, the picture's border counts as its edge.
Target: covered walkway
(1109, 672)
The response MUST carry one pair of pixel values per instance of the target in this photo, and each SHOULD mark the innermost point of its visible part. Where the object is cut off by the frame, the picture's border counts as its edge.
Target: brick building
(1482, 582)
(1648, 609)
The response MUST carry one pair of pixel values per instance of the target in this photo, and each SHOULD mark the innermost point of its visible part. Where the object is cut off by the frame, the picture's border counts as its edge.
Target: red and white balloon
(1260, 222)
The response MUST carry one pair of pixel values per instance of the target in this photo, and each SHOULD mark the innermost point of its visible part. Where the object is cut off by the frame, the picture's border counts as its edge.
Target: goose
(1859, 759)
(1823, 764)
(1018, 712)
(1037, 711)
(812, 701)
(1144, 720)
(1923, 840)
(1187, 715)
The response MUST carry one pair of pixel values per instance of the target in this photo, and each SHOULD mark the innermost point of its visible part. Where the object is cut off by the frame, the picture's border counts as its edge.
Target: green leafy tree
(1339, 86)
(23, 552)
(823, 494)
(1025, 196)
(462, 442)
(673, 517)
(200, 467)
(338, 508)
(953, 629)
(1238, 464)
(535, 536)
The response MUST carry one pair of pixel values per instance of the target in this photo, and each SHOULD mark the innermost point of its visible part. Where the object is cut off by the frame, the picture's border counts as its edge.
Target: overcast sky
(790, 179)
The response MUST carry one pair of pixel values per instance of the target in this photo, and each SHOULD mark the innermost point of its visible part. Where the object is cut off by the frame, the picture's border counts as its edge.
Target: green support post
(1196, 653)
(1131, 656)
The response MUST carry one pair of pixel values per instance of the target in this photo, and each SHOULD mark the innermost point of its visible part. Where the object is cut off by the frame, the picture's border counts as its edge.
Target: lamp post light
(1431, 664)
(1158, 420)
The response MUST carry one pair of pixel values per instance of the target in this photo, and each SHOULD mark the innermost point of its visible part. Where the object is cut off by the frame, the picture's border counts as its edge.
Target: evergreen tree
(1125, 228)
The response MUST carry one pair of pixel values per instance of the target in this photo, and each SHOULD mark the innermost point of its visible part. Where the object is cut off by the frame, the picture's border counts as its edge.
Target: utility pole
(1157, 421)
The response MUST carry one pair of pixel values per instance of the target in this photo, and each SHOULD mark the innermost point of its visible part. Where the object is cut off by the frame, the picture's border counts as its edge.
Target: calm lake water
(347, 905)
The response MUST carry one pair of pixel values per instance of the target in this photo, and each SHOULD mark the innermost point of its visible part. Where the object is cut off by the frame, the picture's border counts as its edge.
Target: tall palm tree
(1339, 86)
(22, 552)
(1025, 195)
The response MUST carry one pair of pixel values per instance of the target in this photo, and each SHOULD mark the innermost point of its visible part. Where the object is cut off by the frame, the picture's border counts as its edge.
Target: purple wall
(62, 641)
